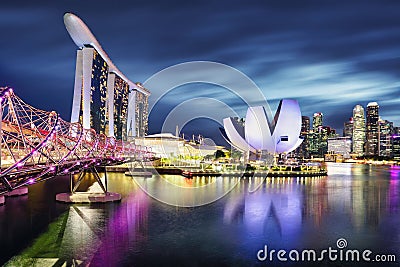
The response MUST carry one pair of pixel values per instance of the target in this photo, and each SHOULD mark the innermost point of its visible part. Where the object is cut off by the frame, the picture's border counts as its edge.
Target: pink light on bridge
(49, 145)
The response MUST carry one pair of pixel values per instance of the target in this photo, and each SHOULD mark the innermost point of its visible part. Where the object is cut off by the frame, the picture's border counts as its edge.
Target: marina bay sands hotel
(104, 98)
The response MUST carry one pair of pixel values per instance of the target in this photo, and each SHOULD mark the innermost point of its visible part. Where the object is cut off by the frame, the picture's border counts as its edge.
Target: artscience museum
(258, 133)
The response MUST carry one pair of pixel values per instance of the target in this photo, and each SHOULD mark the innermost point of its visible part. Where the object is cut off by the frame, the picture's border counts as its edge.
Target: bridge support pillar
(2, 200)
(89, 196)
(21, 191)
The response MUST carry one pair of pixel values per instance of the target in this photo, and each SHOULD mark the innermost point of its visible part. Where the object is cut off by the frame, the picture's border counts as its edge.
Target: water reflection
(357, 202)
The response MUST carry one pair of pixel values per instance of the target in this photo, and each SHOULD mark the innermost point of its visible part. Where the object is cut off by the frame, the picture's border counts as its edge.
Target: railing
(37, 145)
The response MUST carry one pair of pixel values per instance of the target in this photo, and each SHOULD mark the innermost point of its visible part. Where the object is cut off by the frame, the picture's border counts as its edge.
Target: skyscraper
(348, 128)
(90, 94)
(118, 94)
(396, 147)
(139, 124)
(317, 121)
(386, 131)
(104, 98)
(372, 130)
(305, 124)
(318, 140)
(303, 150)
(358, 130)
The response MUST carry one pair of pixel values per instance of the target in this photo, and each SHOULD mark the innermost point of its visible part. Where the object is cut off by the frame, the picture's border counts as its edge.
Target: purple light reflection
(127, 226)
(394, 172)
(393, 198)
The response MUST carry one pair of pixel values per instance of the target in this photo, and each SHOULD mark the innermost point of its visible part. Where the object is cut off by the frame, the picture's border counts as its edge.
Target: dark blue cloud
(330, 55)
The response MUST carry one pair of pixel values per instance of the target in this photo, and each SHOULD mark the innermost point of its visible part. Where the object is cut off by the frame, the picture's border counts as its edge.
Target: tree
(219, 154)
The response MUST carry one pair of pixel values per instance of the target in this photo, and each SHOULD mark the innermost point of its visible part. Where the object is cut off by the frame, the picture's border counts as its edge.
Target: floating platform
(117, 168)
(190, 174)
(84, 197)
(139, 174)
(169, 170)
(21, 191)
(2, 200)
(198, 172)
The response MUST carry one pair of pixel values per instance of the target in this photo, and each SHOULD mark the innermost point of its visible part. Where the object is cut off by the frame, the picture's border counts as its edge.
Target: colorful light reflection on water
(358, 202)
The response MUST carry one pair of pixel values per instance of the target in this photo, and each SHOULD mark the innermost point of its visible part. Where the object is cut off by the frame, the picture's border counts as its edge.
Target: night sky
(329, 55)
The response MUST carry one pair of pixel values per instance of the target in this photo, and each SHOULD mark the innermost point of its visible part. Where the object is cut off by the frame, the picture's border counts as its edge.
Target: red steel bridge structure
(37, 145)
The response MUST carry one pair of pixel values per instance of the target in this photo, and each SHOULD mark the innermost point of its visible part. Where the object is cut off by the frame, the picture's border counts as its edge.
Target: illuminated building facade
(118, 92)
(257, 135)
(358, 130)
(303, 150)
(386, 131)
(317, 121)
(348, 128)
(104, 98)
(372, 130)
(90, 92)
(396, 147)
(141, 111)
(340, 145)
(305, 124)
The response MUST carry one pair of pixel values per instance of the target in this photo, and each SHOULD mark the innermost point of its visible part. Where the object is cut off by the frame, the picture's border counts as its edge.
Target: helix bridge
(37, 145)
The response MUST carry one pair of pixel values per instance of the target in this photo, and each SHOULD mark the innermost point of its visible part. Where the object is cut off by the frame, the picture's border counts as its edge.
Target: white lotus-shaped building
(282, 135)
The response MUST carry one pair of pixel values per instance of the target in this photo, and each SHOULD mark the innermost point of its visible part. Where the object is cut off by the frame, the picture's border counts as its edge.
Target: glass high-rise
(118, 93)
(386, 132)
(305, 124)
(90, 93)
(104, 98)
(303, 150)
(317, 121)
(396, 147)
(98, 93)
(348, 128)
(372, 130)
(141, 108)
(358, 130)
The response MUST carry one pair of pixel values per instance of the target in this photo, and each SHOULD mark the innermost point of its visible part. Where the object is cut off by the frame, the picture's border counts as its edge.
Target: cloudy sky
(329, 55)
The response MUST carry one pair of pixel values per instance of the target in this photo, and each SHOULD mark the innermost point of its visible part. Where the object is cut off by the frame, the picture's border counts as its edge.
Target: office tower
(348, 128)
(396, 147)
(358, 130)
(325, 132)
(303, 150)
(318, 140)
(305, 124)
(372, 130)
(317, 121)
(386, 131)
(340, 145)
